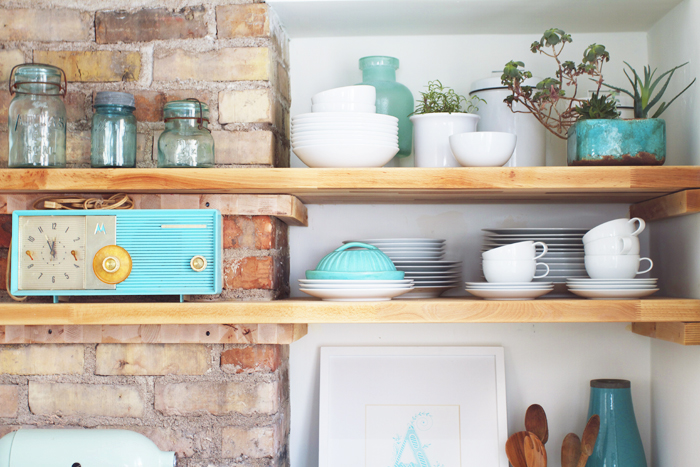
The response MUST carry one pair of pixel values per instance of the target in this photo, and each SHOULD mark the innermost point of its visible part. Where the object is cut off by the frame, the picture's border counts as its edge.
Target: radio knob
(112, 264)
(198, 263)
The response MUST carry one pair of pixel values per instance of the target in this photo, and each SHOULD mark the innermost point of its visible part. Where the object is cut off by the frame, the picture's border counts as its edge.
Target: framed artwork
(412, 407)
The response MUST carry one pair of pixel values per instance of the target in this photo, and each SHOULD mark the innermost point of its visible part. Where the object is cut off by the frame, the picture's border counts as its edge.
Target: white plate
(337, 116)
(505, 294)
(532, 236)
(425, 292)
(356, 295)
(508, 284)
(619, 294)
(353, 286)
(452, 283)
(538, 230)
(611, 287)
(398, 240)
(613, 281)
(408, 245)
(549, 287)
(343, 281)
(431, 263)
(413, 250)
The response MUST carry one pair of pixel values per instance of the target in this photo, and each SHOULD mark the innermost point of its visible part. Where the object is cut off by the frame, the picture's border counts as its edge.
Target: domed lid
(610, 383)
(186, 108)
(494, 82)
(36, 72)
(356, 257)
(379, 60)
(115, 98)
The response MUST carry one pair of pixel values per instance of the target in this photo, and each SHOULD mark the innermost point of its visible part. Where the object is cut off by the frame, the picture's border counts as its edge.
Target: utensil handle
(544, 249)
(641, 227)
(651, 265)
(547, 266)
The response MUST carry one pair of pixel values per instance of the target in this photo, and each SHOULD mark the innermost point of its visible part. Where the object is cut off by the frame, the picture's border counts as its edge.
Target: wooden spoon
(535, 453)
(590, 434)
(515, 449)
(536, 422)
(570, 450)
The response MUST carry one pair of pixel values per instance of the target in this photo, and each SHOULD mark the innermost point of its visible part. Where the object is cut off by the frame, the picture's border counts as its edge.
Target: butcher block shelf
(375, 185)
(305, 311)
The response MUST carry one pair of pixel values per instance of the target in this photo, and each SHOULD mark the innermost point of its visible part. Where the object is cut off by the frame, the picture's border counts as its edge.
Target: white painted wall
(546, 364)
(675, 380)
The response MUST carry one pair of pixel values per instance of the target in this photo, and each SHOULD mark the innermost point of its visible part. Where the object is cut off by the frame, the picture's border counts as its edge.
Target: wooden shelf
(303, 311)
(377, 185)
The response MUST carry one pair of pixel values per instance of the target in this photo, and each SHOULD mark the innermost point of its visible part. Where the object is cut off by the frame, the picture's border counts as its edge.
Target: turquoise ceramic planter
(617, 142)
(619, 443)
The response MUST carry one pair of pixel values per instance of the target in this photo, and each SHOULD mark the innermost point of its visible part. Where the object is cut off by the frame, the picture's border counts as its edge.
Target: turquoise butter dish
(356, 261)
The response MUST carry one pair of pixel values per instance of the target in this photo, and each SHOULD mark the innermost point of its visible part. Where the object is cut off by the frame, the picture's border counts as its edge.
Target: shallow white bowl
(362, 93)
(299, 141)
(343, 134)
(345, 155)
(349, 117)
(483, 148)
(330, 126)
(344, 107)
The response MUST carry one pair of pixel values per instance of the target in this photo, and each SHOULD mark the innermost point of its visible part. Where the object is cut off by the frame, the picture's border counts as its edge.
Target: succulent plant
(598, 107)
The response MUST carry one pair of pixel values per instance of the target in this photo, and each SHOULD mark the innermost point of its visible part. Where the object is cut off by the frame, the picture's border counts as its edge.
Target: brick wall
(215, 405)
(233, 56)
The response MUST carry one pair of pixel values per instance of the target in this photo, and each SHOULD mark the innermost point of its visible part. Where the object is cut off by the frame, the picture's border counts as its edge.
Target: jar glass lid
(186, 108)
(36, 73)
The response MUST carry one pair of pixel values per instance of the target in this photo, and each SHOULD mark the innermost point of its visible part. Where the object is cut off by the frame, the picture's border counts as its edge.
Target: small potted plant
(440, 113)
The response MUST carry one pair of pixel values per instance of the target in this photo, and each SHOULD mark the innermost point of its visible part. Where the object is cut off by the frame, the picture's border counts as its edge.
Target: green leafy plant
(444, 99)
(643, 90)
(598, 107)
(548, 101)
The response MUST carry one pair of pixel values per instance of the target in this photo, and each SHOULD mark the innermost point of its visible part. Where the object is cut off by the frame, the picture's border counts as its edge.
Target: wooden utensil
(570, 450)
(590, 434)
(535, 453)
(515, 449)
(536, 422)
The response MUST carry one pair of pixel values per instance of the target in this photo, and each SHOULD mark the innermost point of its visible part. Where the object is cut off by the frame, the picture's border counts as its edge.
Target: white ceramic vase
(431, 137)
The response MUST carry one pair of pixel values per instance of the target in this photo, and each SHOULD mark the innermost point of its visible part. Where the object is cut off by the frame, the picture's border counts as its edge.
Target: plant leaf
(665, 106)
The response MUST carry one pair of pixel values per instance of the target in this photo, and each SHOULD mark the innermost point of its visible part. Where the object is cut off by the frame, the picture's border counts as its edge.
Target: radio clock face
(52, 252)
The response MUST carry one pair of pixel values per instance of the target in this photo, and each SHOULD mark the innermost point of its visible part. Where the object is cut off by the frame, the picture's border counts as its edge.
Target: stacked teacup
(509, 270)
(612, 260)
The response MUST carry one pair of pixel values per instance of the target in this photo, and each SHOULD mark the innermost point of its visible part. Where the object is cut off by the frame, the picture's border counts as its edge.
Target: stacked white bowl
(344, 130)
(612, 261)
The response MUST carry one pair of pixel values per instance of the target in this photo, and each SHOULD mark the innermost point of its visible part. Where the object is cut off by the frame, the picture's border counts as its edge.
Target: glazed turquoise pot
(617, 142)
(619, 443)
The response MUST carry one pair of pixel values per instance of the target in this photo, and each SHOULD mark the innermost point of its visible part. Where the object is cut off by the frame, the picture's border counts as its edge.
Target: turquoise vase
(619, 443)
(392, 98)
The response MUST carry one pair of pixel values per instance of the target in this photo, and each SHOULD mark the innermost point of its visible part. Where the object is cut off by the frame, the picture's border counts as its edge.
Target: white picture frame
(421, 406)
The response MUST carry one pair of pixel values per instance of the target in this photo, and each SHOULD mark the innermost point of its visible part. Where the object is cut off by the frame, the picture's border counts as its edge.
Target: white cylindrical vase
(431, 137)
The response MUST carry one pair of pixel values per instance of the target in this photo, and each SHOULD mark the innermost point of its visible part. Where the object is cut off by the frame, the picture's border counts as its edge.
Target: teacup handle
(641, 227)
(544, 249)
(547, 266)
(651, 265)
(626, 245)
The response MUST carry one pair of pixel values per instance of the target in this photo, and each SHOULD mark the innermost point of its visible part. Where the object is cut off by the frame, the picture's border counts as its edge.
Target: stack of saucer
(612, 288)
(509, 290)
(355, 290)
(422, 261)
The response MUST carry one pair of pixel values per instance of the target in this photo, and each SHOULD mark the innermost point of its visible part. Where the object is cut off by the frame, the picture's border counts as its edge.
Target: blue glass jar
(113, 130)
(37, 116)
(186, 141)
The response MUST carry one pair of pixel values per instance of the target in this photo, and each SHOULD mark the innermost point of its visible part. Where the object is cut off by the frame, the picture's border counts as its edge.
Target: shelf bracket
(680, 332)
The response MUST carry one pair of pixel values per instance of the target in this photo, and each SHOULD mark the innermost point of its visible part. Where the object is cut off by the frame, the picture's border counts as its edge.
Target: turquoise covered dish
(356, 261)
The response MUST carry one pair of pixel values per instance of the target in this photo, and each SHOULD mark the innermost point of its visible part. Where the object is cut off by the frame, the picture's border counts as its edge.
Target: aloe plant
(643, 90)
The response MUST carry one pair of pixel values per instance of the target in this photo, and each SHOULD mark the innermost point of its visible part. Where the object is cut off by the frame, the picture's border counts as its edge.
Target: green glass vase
(392, 98)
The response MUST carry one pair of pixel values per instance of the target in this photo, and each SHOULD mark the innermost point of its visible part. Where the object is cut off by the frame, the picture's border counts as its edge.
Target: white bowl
(345, 155)
(483, 148)
(361, 93)
(344, 107)
(377, 128)
(345, 117)
(348, 137)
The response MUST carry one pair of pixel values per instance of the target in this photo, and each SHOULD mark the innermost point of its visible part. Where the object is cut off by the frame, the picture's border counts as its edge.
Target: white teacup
(515, 251)
(615, 228)
(512, 270)
(613, 246)
(615, 266)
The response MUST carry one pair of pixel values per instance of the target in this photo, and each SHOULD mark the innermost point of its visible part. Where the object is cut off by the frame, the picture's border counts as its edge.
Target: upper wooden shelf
(303, 311)
(376, 185)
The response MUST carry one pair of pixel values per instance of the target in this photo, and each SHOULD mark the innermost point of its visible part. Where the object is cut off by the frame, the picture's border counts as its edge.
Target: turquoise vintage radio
(127, 252)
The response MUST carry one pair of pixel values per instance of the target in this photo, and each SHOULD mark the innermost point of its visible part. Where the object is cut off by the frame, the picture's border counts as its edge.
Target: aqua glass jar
(186, 141)
(113, 130)
(37, 116)
(392, 98)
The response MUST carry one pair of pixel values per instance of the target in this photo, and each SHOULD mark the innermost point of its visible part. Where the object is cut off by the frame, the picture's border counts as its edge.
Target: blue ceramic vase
(619, 443)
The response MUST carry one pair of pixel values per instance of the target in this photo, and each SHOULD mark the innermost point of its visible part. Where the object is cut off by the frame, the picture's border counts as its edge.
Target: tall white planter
(431, 137)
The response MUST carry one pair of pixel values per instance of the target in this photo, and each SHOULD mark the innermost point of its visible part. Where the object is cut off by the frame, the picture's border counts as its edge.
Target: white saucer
(398, 240)
(618, 294)
(356, 295)
(506, 294)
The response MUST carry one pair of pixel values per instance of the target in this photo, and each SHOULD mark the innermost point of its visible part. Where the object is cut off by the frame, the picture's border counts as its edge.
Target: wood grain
(304, 311)
(376, 185)
(285, 207)
(680, 333)
(154, 334)
(673, 205)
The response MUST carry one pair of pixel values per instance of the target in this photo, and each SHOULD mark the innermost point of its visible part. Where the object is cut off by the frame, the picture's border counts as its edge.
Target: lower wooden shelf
(305, 311)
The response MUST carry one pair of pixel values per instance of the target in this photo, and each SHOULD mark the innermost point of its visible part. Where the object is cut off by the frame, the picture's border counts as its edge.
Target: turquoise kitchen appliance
(120, 252)
(81, 448)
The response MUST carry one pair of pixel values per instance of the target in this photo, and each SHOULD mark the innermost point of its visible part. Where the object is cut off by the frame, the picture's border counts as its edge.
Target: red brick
(251, 359)
(246, 20)
(149, 104)
(150, 25)
(3, 269)
(5, 231)
(254, 232)
(9, 399)
(250, 273)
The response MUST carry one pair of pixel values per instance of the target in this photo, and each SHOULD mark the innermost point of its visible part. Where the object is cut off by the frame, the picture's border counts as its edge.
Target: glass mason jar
(113, 130)
(37, 116)
(392, 98)
(186, 141)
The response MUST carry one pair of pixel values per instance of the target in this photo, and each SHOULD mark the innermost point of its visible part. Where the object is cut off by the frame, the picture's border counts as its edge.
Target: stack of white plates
(612, 288)
(345, 139)
(421, 259)
(509, 290)
(565, 250)
(355, 290)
